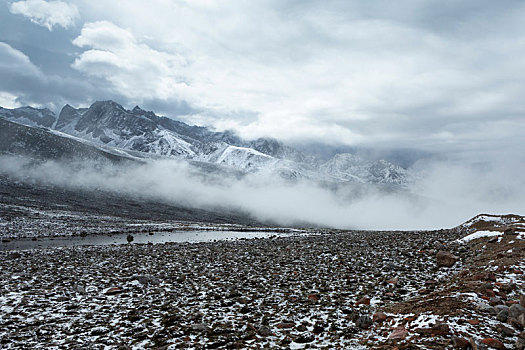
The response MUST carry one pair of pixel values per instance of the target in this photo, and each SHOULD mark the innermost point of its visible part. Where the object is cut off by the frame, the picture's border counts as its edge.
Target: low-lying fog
(442, 196)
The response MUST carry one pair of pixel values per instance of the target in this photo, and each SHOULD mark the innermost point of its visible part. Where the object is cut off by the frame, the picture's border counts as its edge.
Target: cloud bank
(444, 196)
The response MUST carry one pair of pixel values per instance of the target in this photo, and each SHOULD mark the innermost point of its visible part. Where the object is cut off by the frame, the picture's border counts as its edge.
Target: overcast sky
(445, 76)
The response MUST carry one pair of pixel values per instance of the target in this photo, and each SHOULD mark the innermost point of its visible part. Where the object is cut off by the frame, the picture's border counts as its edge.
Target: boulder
(363, 322)
(516, 310)
(446, 259)
(460, 343)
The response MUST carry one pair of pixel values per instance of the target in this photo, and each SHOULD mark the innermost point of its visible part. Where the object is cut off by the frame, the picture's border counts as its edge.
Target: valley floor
(353, 290)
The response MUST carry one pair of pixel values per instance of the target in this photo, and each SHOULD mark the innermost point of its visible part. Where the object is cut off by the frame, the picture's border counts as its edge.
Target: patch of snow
(479, 234)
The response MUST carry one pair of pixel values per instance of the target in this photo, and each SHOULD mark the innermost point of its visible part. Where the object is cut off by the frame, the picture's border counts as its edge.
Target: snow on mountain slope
(349, 167)
(245, 158)
(111, 126)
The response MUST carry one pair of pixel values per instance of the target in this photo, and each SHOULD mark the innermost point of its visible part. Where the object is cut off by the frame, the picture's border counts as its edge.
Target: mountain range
(110, 130)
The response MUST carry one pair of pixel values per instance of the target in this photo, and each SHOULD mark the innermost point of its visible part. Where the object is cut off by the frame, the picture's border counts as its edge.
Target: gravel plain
(348, 290)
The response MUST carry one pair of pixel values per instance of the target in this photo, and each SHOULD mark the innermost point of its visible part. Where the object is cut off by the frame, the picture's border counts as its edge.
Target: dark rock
(129, 238)
(500, 308)
(302, 328)
(318, 329)
(516, 310)
(505, 331)
(510, 231)
(304, 339)
(502, 316)
(487, 309)
(265, 331)
(113, 291)
(363, 322)
(440, 329)
(313, 297)
(495, 301)
(13, 256)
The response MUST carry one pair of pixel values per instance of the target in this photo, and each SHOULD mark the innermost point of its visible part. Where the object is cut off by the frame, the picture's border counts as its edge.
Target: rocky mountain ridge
(109, 124)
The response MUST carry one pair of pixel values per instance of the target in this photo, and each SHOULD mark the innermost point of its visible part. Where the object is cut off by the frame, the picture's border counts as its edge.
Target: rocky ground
(348, 290)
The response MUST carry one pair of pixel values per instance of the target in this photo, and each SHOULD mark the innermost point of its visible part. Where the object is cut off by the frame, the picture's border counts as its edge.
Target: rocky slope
(17, 139)
(108, 123)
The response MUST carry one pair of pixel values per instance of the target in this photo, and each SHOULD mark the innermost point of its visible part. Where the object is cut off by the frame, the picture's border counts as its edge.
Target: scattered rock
(393, 281)
(510, 231)
(363, 301)
(265, 331)
(13, 256)
(460, 343)
(516, 310)
(286, 325)
(440, 329)
(304, 339)
(199, 327)
(313, 297)
(505, 331)
(113, 291)
(363, 322)
(379, 317)
(493, 343)
(446, 259)
(502, 316)
(398, 333)
(485, 308)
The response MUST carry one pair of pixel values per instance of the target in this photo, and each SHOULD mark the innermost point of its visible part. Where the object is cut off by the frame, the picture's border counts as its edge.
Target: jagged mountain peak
(107, 103)
(137, 109)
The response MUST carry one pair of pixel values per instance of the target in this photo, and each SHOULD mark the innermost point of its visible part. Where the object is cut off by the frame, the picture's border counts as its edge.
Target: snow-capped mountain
(110, 125)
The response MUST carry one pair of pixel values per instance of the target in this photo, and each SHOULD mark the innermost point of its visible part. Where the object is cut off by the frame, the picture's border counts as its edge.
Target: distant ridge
(109, 124)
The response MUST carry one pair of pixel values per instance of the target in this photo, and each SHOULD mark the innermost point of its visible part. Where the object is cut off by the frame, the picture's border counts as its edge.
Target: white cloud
(134, 69)
(8, 100)
(47, 13)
